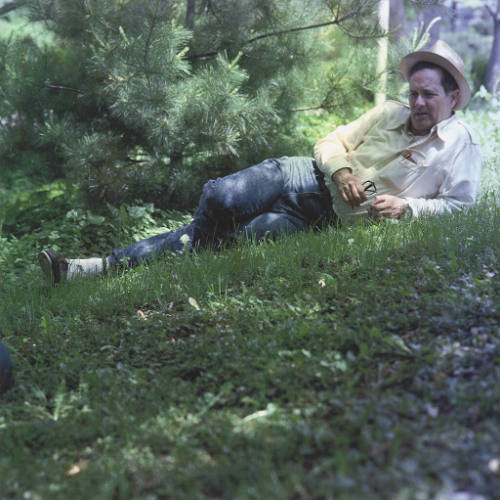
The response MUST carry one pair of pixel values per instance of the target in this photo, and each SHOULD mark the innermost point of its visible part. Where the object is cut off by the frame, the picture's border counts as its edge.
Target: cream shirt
(436, 173)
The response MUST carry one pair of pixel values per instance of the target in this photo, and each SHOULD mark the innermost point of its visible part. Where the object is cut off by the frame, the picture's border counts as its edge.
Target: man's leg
(224, 203)
(56, 267)
(229, 202)
(177, 241)
(305, 202)
(275, 196)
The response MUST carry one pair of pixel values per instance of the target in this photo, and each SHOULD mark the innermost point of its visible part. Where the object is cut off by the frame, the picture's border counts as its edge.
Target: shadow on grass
(339, 364)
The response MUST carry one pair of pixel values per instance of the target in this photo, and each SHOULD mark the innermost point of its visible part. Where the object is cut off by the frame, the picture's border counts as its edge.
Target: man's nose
(419, 101)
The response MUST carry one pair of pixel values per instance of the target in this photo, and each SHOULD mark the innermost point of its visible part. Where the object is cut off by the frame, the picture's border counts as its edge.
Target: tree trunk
(190, 11)
(493, 70)
(383, 14)
(10, 6)
(454, 15)
(397, 20)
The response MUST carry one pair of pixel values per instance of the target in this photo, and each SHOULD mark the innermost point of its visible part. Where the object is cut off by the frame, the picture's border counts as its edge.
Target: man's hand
(350, 187)
(387, 206)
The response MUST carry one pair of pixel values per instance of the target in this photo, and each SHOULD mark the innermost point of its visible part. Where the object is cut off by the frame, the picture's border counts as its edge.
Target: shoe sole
(45, 263)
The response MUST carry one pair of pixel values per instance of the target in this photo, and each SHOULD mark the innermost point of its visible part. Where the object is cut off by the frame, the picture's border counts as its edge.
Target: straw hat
(443, 55)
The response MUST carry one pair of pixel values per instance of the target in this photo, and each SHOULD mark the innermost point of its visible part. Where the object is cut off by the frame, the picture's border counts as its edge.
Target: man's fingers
(380, 208)
(356, 192)
(378, 201)
(353, 194)
(386, 206)
(344, 193)
(377, 205)
(347, 194)
(350, 189)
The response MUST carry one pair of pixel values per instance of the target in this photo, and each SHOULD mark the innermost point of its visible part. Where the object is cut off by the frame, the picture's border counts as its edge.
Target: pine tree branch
(11, 6)
(337, 21)
(362, 37)
(324, 104)
(300, 28)
(152, 27)
(190, 13)
(490, 10)
(211, 8)
(63, 88)
(492, 13)
(307, 108)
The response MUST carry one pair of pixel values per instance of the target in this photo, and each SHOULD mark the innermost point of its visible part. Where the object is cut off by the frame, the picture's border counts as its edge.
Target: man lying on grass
(395, 160)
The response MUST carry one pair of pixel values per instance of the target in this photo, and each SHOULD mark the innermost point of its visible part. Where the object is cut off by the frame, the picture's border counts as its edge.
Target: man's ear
(454, 97)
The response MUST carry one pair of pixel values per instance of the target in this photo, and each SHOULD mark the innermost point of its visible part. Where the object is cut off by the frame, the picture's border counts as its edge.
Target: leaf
(194, 303)
(78, 467)
(124, 36)
(270, 410)
(494, 465)
(396, 341)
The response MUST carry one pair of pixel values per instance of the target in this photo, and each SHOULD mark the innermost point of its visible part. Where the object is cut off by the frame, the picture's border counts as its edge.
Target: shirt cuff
(335, 164)
(411, 210)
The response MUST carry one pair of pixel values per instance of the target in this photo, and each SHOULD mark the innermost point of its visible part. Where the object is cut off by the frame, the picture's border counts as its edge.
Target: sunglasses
(369, 187)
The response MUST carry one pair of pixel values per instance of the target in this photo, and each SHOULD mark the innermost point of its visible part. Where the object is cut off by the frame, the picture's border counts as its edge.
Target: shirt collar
(443, 129)
(397, 120)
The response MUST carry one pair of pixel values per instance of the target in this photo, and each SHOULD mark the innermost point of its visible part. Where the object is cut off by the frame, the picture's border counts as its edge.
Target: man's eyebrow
(428, 91)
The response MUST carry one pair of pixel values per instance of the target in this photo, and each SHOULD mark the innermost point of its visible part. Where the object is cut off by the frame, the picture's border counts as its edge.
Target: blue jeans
(278, 195)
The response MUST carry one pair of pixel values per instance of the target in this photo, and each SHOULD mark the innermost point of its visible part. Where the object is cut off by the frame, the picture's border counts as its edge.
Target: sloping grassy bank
(354, 363)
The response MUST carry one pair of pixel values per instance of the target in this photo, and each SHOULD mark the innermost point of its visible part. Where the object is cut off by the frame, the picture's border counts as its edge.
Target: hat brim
(423, 56)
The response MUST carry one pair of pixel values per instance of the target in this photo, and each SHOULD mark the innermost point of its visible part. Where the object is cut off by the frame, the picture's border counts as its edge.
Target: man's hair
(447, 81)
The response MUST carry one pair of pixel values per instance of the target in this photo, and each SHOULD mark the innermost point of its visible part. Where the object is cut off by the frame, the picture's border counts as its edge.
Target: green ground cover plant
(356, 362)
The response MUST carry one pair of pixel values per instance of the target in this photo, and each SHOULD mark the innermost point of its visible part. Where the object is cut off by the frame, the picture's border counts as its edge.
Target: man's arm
(459, 188)
(457, 191)
(349, 186)
(332, 152)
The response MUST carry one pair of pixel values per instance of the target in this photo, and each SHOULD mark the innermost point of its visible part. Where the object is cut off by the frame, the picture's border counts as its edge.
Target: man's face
(429, 104)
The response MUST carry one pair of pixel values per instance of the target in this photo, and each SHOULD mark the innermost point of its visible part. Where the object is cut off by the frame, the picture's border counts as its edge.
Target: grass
(352, 363)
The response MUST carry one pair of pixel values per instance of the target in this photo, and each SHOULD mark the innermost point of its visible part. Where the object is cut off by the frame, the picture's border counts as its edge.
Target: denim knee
(218, 197)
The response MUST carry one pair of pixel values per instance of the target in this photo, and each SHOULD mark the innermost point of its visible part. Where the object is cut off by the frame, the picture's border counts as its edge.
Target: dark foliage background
(119, 98)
